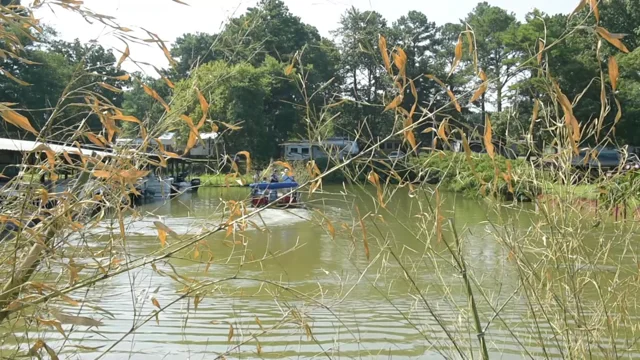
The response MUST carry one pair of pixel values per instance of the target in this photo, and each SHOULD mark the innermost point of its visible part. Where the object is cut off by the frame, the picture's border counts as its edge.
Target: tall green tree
(495, 32)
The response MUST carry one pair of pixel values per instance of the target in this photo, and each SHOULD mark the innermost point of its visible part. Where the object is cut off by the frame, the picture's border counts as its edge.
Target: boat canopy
(278, 185)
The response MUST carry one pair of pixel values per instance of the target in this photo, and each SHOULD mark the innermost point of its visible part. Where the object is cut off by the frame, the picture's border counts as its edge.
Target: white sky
(169, 19)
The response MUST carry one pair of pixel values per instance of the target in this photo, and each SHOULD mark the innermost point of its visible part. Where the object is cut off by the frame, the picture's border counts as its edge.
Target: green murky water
(302, 292)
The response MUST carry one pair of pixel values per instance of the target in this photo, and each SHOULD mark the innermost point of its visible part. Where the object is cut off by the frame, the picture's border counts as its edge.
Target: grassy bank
(479, 176)
(221, 180)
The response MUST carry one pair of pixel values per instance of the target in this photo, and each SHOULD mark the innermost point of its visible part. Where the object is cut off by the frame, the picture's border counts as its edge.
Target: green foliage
(60, 74)
(455, 174)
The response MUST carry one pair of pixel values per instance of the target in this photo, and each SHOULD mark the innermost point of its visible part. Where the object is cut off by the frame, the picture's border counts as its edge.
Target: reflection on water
(308, 297)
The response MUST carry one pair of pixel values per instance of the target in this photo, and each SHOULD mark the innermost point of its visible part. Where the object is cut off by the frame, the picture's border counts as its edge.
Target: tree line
(278, 79)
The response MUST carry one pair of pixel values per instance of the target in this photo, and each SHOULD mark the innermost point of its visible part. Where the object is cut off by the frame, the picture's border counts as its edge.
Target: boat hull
(284, 203)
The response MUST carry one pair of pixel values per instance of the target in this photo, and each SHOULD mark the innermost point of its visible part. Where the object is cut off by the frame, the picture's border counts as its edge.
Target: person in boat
(274, 177)
(285, 176)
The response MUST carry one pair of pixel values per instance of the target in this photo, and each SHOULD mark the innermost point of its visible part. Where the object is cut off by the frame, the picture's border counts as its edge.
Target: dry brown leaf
(400, 59)
(469, 34)
(13, 78)
(613, 39)
(247, 155)
(331, 229)
(614, 72)
(163, 230)
(594, 7)
(457, 56)
(540, 50)
(128, 118)
(230, 335)
(75, 320)
(231, 126)
(619, 113)
(124, 56)
(16, 119)
(482, 89)
(157, 97)
(382, 44)
(101, 174)
(488, 137)
(169, 83)
(394, 104)
(95, 139)
(155, 302)
(124, 77)
(365, 241)
(110, 87)
(580, 6)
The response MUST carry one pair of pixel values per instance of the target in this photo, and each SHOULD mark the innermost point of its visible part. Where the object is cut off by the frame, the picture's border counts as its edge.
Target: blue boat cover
(278, 185)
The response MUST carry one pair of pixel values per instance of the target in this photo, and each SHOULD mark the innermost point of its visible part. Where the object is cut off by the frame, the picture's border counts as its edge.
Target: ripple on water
(196, 225)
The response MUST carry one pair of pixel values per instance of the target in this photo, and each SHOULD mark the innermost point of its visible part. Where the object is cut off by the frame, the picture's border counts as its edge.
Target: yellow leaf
(395, 103)
(124, 56)
(488, 137)
(259, 323)
(16, 119)
(155, 302)
(613, 72)
(613, 39)
(457, 55)
(382, 44)
(124, 77)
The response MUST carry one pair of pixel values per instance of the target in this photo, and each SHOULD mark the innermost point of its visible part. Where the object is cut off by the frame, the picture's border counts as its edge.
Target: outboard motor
(195, 184)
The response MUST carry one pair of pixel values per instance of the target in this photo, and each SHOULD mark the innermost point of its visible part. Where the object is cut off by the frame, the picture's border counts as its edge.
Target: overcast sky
(169, 19)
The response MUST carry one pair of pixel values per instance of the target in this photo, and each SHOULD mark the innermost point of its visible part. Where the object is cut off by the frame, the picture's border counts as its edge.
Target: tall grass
(576, 274)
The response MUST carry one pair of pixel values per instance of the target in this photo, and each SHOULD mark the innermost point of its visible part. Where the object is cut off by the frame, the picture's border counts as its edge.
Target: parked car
(605, 159)
(632, 163)
(396, 155)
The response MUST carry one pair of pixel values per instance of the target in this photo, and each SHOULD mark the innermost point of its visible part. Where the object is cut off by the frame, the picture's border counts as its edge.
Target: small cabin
(208, 148)
(168, 140)
(306, 150)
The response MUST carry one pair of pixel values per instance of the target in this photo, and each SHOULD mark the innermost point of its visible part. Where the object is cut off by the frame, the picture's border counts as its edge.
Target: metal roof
(211, 135)
(29, 146)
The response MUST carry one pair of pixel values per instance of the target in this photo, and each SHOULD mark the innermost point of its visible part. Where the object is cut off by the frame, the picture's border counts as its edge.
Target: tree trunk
(499, 98)
(483, 106)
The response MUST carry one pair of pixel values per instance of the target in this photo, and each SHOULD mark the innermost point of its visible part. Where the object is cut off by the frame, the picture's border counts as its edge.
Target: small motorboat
(264, 194)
